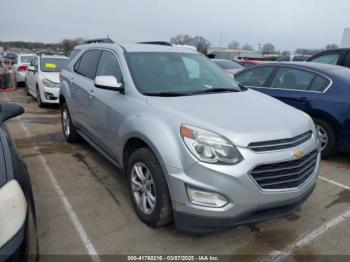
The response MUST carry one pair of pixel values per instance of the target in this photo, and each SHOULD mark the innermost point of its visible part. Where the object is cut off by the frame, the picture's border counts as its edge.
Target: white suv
(42, 79)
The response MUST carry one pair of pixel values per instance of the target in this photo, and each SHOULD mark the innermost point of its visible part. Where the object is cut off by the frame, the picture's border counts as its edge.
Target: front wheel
(326, 136)
(148, 188)
(38, 98)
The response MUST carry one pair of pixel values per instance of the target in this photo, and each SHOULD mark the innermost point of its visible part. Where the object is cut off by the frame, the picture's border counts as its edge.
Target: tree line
(202, 44)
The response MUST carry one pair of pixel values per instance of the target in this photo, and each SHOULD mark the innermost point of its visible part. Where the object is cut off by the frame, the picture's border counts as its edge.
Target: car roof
(53, 56)
(307, 65)
(140, 47)
(333, 50)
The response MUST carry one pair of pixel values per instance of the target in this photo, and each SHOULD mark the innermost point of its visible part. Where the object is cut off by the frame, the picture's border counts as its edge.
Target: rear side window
(294, 79)
(319, 84)
(327, 59)
(109, 66)
(87, 64)
(254, 77)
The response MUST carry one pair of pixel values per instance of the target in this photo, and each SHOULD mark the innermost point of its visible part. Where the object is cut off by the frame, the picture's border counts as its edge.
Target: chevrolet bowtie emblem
(297, 153)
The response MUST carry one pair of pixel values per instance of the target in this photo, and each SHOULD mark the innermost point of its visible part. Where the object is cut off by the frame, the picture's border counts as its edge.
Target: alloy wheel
(322, 136)
(143, 189)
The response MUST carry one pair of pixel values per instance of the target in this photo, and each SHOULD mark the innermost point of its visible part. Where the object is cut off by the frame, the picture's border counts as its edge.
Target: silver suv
(194, 145)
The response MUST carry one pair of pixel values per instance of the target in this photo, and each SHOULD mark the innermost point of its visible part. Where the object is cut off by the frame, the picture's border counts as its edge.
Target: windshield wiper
(215, 90)
(165, 94)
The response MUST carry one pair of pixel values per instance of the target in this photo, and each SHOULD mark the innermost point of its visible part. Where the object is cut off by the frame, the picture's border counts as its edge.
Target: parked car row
(196, 147)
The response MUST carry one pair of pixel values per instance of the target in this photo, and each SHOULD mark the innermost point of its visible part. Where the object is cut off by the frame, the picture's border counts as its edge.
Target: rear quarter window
(319, 84)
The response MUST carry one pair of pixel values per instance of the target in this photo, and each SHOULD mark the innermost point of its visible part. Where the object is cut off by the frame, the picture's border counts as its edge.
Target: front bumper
(247, 201)
(50, 95)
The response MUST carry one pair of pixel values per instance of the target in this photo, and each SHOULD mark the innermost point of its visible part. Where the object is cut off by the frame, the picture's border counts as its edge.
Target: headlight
(209, 147)
(49, 83)
(13, 210)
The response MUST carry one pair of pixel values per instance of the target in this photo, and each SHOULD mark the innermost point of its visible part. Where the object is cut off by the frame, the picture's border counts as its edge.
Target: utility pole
(259, 48)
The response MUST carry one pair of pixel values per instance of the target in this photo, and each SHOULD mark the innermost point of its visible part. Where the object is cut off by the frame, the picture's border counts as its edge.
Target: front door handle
(303, 100)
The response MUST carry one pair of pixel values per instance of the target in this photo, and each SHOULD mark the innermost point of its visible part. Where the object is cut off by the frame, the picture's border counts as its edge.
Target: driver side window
(255, 77)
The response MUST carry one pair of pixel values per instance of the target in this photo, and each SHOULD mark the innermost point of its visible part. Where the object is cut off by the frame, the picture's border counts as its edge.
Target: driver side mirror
(10, 110)
(109, 83)
(31, 68)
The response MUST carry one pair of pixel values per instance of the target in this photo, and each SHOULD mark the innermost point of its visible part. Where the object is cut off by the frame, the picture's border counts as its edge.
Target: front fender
(162, 136)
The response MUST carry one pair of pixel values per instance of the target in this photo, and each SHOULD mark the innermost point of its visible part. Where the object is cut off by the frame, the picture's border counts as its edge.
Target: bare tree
(233, 44)
(69, 44)
(181, 40)
(268, 48)
(247, 46)
(201, 44)
(331, 46)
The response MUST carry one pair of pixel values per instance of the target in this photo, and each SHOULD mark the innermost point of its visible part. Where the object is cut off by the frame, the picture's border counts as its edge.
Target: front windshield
(52, 64)
(178, 73)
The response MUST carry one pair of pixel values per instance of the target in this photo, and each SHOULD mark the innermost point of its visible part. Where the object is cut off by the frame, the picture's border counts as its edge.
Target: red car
(249, 63)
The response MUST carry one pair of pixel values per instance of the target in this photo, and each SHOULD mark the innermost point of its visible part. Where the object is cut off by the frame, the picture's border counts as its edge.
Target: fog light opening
(206, 198)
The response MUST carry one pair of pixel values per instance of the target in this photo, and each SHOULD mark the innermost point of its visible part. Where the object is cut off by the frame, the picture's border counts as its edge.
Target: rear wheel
(69, 130)
(326, 136)
(148, 188)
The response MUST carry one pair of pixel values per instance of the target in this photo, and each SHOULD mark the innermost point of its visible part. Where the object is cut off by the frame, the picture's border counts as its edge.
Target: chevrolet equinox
(195, 146)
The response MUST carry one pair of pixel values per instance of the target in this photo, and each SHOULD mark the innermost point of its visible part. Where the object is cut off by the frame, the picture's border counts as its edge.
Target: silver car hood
(242, 117)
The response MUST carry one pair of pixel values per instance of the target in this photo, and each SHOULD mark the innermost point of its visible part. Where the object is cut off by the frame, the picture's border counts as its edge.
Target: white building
(346, 38)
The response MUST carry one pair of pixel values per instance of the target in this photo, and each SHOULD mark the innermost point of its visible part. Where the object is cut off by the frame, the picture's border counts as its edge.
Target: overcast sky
(288, 24)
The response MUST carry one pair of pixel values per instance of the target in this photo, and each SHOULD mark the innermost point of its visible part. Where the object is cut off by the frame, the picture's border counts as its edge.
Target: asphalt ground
(83, 206)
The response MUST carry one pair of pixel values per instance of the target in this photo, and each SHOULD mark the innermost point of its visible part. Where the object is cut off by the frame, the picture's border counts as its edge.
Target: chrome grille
(286, 174)
(280, 143)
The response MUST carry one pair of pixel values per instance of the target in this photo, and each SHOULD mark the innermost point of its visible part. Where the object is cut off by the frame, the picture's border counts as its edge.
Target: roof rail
(41, 53)
(99, 40)
(156, 43)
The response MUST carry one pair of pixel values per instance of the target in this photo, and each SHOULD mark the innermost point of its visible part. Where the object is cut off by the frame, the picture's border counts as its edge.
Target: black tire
(162, 212)
(26, 88)
(70, 134)
(331, 146)
(38, 98)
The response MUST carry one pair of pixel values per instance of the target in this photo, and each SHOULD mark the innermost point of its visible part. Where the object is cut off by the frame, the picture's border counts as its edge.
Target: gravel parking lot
(83, 206)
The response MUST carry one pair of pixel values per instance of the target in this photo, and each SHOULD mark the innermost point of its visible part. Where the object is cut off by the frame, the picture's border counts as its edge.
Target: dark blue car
(320, 90)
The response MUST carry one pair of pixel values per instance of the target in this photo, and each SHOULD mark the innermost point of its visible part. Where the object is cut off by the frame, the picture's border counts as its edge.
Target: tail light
(22, 68)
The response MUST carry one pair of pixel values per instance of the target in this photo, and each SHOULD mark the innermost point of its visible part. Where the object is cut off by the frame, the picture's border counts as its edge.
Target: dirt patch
(42, 120)
(81, 158)
(265, 241)
(342, 197)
